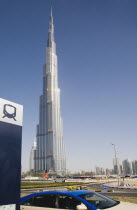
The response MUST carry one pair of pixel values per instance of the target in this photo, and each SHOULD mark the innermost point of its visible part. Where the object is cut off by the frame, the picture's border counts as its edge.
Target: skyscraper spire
(51, 12)
(51, 31)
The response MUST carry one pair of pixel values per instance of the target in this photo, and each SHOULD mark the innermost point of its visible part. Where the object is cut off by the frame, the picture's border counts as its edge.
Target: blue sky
(97, 52)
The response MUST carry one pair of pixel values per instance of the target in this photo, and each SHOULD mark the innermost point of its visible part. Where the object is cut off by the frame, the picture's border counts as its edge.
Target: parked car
(74, 200)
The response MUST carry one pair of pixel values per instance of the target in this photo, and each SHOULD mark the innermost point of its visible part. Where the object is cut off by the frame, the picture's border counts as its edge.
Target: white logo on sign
(10, 112)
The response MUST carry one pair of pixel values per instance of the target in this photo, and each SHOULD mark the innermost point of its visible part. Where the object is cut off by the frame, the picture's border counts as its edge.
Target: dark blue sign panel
(10, 154)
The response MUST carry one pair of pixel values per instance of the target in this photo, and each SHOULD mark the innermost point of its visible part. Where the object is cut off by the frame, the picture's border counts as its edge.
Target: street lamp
(116, 161)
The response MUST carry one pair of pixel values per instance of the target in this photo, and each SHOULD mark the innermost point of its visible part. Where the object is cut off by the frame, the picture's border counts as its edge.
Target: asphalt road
(120, 194)
(117, 192)
(100, 186)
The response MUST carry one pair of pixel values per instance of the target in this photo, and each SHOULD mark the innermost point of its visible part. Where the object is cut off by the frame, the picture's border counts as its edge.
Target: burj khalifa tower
(50, 151)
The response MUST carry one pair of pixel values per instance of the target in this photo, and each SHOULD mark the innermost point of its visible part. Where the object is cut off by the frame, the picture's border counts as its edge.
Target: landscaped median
(29, 185)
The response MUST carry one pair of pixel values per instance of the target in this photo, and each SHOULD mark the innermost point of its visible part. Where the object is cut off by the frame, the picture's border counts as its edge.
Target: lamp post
(116, 161)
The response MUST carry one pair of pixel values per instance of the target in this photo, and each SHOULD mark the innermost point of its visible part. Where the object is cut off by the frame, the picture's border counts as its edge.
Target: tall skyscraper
(32, 158)
(116, 166)
(50, 152)
(127, 167)
(134, 166)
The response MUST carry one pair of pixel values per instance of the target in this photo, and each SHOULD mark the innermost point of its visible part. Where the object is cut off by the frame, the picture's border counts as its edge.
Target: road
(117, 192)
(120, 194)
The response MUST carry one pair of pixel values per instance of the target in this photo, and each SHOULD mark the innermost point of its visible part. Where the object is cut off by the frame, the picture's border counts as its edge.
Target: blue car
(74, 200)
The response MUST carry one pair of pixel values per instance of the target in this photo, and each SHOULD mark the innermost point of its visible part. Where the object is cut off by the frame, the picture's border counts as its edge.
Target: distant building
(127, 167)
(116, 166)
(109, 172)
(121, 169)
(32, 158)
(100, 171)
(134, 167)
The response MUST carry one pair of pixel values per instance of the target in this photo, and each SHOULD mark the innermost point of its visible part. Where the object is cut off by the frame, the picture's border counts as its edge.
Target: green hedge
(27, 185)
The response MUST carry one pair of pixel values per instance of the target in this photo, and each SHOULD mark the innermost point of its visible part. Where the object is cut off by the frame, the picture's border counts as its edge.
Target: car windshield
(98, 200)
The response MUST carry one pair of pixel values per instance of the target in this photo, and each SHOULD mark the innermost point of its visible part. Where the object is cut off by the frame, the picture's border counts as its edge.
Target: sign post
(11, 115)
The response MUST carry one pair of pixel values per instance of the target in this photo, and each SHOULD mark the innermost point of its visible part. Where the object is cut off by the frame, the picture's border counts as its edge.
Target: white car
(72, 200)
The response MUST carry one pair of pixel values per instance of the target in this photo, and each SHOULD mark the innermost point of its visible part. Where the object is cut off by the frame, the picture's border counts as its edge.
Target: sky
(97, 54)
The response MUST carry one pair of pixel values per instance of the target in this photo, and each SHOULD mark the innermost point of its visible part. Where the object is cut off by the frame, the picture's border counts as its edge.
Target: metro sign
(11, 117)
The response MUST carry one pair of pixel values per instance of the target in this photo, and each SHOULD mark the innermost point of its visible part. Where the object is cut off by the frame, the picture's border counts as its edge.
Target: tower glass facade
(32, 158)
(50, 152)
